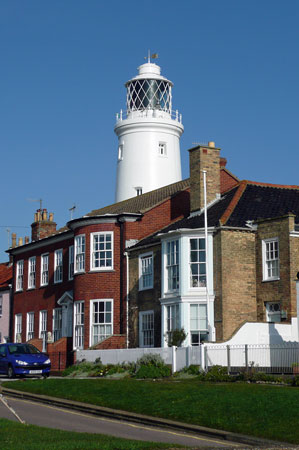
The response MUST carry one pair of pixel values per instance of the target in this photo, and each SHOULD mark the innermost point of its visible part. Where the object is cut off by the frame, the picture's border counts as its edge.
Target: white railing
(274, 358)
(149, 113)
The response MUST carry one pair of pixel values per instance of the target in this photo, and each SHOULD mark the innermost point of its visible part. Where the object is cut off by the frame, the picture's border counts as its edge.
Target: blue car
(23, 359)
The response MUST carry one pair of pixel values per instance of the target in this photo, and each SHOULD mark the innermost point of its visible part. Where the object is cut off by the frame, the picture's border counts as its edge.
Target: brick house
(5, 301)
(244, 270)
(130, 273)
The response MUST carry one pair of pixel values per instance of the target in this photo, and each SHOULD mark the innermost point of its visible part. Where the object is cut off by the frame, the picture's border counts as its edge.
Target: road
(58, 418)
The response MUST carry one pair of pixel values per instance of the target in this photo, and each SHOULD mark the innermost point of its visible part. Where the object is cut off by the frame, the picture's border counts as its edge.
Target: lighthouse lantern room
(148, 135)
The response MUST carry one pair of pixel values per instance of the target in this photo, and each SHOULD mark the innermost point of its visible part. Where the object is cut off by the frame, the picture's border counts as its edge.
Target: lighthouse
(148, 134)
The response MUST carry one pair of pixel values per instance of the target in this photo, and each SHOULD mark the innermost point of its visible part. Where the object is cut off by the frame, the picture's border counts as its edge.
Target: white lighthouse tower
(148, 135)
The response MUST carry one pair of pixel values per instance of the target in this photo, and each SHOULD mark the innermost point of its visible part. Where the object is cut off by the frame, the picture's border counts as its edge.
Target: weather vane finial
(149, 56)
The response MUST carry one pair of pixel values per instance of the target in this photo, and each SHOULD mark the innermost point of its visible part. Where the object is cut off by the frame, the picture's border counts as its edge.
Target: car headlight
(21, 363)
(48, 361)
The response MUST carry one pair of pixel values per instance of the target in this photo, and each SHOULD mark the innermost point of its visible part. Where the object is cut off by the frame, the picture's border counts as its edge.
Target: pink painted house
(5, 288)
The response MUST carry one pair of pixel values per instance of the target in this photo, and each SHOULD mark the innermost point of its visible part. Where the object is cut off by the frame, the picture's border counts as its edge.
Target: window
(270, 259)
(198, 323)
(120, 152)
(58, 266)
(102, 251)
(80, 253)
(172, 319)
(146, 272)
(273, 312)
(138, 190)
(79, 325)
(1, 305)
(197, 263)
(71, 262)
(162, 148)
(101, 320)
(44, 269)
(30, 326)
(43, 316)
(146, 329)
(18, 328)
(20, 275)
(31, 272)
(57, 324)
(172, 265)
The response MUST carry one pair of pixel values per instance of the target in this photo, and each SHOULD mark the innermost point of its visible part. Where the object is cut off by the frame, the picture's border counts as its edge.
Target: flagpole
(206, 245)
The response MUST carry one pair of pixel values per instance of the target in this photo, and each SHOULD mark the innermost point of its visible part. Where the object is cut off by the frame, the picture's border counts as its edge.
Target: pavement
(247, 441)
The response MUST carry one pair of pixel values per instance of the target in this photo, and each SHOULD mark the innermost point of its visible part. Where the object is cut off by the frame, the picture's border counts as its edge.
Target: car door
(3, 358)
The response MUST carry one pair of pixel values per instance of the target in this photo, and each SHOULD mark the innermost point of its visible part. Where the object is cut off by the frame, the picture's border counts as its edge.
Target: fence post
(173, 359)
(188, 355)
(204, 357)
(228, 358)
(246, 357)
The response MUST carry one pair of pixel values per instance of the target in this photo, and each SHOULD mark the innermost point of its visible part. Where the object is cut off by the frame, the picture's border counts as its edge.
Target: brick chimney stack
(43, 225)
(204, 157)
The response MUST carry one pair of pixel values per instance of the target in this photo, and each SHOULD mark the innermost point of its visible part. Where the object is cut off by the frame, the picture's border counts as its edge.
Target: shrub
(176, 337)
(151, 366)
(216, 374)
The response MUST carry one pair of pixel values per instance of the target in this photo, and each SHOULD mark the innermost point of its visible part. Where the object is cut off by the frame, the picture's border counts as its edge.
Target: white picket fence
(177, 357)
(273, 358)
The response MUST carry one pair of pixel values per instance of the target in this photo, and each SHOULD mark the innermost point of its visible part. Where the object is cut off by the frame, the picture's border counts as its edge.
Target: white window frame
(105, 324)
(196, 278)
(120, 152)
(30, 326)
(57, 324)
(101, 254)
(32, 272)
(78, 332)
(43, 323)
(146, 271)
(79, 253)
(44, 269)
(198, 329)
(71, 262)
(162, 149)
(270, 260)
(58, 265)
(20, 275)
(18, 327)
(172, 266)
(146, 329)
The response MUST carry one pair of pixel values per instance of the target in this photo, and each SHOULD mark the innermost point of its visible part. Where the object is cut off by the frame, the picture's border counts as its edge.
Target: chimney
(204, 157)
(42, 225)
(13, 240)
(26, 239)
(20, 242)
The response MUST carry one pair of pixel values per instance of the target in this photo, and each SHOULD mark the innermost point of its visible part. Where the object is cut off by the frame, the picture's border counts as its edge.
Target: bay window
(198, 323)
(102, 251)
(80, 253)
(197, 262)
(172, 265)
(79, 325)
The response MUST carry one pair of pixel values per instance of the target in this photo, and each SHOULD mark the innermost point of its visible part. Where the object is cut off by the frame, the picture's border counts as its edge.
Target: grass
(14, 436)
(259, 410)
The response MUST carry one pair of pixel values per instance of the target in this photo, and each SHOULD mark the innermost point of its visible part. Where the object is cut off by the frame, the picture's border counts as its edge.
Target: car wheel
(10, 372)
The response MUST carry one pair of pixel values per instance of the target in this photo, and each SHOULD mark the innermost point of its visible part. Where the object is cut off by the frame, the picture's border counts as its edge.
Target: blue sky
(64, 63)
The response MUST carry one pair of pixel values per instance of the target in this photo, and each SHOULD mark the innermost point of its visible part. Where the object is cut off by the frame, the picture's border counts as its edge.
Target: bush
(216, 374)
(151, 366)
(176, 337)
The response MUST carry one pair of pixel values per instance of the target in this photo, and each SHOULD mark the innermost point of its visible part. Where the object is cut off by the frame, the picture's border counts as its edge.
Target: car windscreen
(21, 349)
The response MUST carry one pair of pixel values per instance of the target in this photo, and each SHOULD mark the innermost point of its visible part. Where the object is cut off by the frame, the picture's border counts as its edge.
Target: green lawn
(267, 411)
(15, 436)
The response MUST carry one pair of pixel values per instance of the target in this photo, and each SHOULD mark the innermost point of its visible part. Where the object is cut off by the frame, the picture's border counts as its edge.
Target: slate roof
(247, 201)
(5, 275)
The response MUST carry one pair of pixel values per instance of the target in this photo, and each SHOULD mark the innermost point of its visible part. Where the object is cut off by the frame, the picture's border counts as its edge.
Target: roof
(5, 275)
(144, 202)
(248, 201)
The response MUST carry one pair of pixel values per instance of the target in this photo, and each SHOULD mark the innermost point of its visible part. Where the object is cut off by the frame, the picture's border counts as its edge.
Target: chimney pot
(26, 239)
(51, 217)
(211, 144)
(44, 214)
(20, 241)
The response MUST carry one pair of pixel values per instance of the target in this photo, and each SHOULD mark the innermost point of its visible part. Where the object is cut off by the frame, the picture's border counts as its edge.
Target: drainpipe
(127, 298)
(297, 291)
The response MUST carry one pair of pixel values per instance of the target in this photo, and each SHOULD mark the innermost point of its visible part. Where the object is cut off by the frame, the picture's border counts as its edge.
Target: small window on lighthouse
(138, 190)
(120, 152)
(162, 148)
